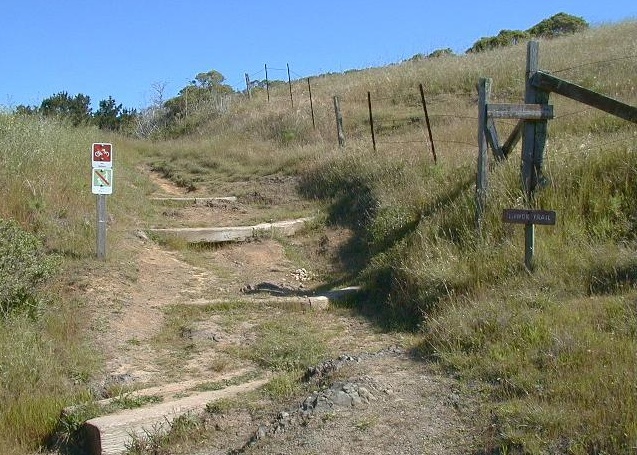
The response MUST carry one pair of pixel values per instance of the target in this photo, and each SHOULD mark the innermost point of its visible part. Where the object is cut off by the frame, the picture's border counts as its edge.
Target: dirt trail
(149, 324)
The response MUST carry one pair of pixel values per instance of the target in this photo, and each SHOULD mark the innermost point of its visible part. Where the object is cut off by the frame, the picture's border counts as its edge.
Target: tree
(26, 110)
(111, 116)
(558, 25)
(441, 53)
(76, 109)
(213, 81)
(201, 95)
(503, 39)
(107, 116)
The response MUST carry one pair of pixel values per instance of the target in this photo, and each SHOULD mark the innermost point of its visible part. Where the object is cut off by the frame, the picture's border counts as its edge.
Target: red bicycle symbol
(101, 152)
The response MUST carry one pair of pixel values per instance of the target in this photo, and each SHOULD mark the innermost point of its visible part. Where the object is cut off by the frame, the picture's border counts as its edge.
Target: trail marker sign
(102, 181)
(527, 216)
(102, 155)
(102, 185)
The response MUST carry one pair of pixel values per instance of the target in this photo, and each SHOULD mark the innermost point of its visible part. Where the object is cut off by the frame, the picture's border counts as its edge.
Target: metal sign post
(102, 185)
(101, 226)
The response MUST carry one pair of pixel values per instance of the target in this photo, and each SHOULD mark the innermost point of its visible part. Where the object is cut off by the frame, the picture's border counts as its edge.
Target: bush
(23, 265)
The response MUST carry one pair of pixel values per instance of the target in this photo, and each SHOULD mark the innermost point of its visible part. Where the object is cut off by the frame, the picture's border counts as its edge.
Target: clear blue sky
(120, 48)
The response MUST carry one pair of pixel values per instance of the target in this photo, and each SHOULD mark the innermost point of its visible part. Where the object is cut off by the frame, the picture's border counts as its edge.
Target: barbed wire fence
(389, 121)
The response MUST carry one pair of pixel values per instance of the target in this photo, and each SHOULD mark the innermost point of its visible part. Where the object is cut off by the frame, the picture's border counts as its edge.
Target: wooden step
(169, 391)
(196, 200)
(233, 234)
(113, 434)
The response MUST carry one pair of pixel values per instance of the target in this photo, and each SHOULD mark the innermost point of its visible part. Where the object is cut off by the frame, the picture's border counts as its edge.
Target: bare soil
(154, 321)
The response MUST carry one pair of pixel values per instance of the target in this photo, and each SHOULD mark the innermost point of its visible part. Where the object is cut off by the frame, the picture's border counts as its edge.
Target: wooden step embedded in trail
(113, 434)
(195, 200)
(234, 234)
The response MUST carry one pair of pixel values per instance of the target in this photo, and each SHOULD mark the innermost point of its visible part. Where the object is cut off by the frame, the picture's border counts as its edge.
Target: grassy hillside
(551, 352)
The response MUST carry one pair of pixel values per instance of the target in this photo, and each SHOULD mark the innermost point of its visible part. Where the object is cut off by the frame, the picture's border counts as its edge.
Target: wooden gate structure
(532, 128)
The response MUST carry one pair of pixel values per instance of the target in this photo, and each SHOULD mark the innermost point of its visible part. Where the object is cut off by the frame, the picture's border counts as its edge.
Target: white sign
(102, 181)
(102, 155)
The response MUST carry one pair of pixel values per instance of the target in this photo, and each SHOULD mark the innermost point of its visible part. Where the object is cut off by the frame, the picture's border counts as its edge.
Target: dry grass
(556, 348)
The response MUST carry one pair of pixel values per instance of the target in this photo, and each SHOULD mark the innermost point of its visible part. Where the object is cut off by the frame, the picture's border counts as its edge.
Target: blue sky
(122, 48)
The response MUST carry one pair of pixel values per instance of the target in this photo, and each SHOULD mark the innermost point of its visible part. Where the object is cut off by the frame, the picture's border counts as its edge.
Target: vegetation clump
(23, 266)
(558, 25)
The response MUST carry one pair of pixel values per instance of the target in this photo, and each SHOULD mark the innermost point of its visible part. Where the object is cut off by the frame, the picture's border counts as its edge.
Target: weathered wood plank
(196, 200)
(110, 435)
(551, 83)
(521, 111)
(513, 139)
(494, 140)
(233, 234)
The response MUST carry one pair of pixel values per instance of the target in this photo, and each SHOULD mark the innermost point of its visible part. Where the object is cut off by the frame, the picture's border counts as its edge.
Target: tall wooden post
(533, 143)
(431, 137)
(339, 123)
(371, 119)
(484, 92)
(248, 85)
(290, 85)
(267, 82)
(309, 87)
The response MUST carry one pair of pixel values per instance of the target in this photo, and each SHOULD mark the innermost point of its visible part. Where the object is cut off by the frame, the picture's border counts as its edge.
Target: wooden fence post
(533, 142)
(484, 92)
(309, 87)
(290, 85)
(371, 119)
(339, 123)
(248, 85)
(267, 82)
(431, 138)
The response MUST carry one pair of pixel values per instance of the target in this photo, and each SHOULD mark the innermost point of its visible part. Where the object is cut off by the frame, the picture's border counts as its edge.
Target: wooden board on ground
(196, 200)
(233, 234)
(112, 434)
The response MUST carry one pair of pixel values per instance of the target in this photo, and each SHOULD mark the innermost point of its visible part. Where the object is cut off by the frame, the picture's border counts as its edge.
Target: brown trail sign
(525, 216)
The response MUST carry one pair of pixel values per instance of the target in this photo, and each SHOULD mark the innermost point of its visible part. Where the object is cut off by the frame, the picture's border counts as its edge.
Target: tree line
(77, 110)
(557, 25)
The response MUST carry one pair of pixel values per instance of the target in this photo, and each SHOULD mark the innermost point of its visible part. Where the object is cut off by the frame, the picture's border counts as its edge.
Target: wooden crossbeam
(568, 89)
(494, 140)
(513, 139)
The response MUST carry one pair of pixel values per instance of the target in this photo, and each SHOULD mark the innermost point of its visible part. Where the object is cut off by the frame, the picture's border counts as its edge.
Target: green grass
(44, 366)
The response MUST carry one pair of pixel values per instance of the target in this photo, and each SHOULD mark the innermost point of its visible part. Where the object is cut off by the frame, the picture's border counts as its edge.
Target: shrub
(23, 265)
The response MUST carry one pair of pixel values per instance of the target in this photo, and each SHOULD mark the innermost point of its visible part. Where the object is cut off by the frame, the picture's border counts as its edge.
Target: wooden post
(339, 123)
(533, 142)
(484, 92)
(309, 87)
(534, 132)
(431, 138)
(371, 119)
(290, 85)
(101, 226)
(267, 82)
(248, 85)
